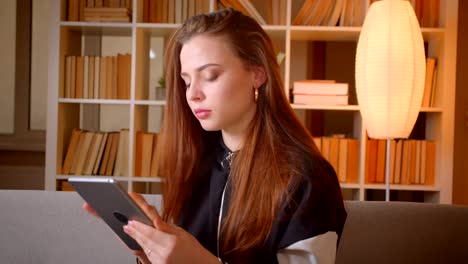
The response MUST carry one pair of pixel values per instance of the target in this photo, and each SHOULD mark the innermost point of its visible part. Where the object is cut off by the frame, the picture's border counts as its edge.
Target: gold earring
(256, 94)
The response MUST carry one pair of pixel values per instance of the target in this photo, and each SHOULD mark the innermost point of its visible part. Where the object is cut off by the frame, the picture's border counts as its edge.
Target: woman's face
(219, 87)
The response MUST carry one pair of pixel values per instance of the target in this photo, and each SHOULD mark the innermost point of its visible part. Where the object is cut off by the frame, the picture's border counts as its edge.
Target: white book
(321, 100)
(320, 87)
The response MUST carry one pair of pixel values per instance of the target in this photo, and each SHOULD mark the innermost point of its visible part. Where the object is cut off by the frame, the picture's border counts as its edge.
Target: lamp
(390, 72)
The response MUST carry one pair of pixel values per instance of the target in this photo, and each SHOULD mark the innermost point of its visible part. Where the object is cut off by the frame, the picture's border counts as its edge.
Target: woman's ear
(259, 76)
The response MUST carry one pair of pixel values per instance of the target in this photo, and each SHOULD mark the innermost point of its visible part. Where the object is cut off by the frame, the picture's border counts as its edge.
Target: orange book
(371, 160)
(138, 153)
(326, 147)
(109, 79)
(91, 77)
(405, 162)
(146, 152)
(107, 150)
(72, 148)
(392, 161)
(77, 152)
(121, 84)
(398, 156)
(334, 152)
(417, 163)
(97, 161)
(343, 160)
(79, 75)
(430, 162)
(412, 162)
(73, 77)
(154, 158)
(113, 154)
(381, 160)
(103, 78)
(83, 153)
(352, 172)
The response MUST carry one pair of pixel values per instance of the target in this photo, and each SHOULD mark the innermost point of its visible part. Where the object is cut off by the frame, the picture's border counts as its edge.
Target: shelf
(350, 185)
(150, 102)
(95, 28)
(327, 33)
(93, 101)
(334, 107)
(402, 187)
(133, 179)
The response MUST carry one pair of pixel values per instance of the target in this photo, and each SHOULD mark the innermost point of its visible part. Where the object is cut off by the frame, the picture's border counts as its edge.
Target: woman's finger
(149, 210)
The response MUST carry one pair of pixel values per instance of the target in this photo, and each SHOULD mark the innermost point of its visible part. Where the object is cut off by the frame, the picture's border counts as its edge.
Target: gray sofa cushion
(51, 227)
(402, 232)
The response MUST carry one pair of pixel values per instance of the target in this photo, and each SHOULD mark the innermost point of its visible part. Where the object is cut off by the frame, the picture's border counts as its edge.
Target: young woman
(244, 181)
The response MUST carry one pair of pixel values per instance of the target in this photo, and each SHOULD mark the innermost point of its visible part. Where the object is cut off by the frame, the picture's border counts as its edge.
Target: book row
(311, 13)
(107, 153)
(426, 11)
(170, 11)
(411, 161)
(343, 155)
(94, 77)
(99, 10)
(353, 12)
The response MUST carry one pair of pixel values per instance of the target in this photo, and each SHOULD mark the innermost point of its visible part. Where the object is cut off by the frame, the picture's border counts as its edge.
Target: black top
(314, 211)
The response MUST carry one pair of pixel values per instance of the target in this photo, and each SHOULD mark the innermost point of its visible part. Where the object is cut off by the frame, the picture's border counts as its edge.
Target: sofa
(51, 227)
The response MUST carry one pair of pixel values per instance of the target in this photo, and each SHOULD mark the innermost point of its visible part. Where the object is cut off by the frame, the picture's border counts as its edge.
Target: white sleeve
(319, 249)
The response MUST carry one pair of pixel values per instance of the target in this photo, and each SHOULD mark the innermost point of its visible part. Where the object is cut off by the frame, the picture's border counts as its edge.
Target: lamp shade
(390, 69)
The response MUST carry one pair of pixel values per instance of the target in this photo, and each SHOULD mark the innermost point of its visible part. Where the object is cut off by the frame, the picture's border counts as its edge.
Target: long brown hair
(262, 170)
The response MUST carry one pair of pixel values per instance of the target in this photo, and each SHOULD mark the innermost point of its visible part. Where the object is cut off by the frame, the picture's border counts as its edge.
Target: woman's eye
(211, 78)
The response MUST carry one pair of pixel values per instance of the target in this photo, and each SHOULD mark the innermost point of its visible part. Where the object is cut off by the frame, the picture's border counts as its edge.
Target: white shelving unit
(74, 38)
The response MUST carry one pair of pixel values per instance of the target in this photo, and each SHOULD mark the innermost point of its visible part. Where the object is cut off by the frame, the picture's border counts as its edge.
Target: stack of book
(99, 10)
(320, 93)
(107, 14)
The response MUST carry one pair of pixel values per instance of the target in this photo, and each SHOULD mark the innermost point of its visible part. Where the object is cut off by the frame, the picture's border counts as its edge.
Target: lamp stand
(387, 171)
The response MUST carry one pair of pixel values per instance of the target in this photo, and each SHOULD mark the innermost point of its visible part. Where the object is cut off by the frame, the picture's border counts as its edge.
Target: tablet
(112, 203)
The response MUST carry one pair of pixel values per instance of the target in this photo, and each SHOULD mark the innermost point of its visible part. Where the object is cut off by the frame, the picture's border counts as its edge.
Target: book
(381, 161)
(154, 158)
(320, 100)
(146, 154)
(428, 82)
(71, 151)
(320, 87)
(352, 165)
(99, 156)
(371, 160)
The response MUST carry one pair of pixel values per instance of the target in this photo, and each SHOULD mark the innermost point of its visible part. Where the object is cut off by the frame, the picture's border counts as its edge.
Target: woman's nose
(195, 92)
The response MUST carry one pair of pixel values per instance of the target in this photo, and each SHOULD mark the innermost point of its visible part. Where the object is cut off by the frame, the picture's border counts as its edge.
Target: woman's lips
(202, 113)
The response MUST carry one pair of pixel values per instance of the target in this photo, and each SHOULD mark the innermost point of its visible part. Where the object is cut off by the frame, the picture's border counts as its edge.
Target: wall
(460, 180)
(7, 69)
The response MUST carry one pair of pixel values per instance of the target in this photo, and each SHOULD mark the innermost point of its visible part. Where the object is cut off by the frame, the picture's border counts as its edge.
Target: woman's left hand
(165, 243)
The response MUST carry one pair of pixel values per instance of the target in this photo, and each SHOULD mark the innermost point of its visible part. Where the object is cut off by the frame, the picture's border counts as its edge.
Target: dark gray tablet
(112, 203)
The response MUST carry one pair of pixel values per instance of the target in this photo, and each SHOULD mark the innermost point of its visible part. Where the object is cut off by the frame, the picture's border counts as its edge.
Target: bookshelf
(311, 52)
